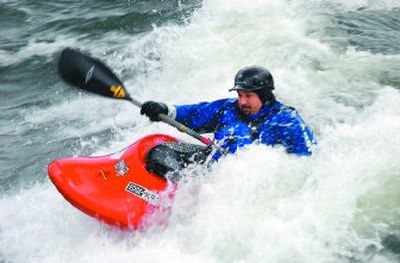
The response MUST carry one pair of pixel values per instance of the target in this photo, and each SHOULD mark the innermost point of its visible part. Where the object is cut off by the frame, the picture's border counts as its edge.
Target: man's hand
(152, 108)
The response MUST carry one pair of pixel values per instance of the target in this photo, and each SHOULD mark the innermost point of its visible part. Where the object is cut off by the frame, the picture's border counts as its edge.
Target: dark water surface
(29, 80)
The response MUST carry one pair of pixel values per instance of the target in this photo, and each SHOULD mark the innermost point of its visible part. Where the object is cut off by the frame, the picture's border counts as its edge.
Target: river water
(337, 62)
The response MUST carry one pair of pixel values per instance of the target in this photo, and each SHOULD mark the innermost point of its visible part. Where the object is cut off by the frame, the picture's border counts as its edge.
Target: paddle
(87, 73)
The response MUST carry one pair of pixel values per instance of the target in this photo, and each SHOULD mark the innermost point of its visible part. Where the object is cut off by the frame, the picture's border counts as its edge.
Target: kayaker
(254, 116)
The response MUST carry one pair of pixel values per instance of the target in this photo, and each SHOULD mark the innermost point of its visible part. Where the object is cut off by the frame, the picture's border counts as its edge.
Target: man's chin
(246, 111)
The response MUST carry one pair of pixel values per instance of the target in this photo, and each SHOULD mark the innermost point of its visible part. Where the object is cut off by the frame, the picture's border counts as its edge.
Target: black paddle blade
(87, 73)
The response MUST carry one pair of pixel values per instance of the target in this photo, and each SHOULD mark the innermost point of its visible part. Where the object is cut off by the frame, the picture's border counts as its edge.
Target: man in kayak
(254, 116)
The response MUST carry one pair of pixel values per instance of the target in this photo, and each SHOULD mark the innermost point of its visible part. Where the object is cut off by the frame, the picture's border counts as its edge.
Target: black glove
(152, 108)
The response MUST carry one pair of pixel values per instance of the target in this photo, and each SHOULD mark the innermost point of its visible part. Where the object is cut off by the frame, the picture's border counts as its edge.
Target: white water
(260, 205)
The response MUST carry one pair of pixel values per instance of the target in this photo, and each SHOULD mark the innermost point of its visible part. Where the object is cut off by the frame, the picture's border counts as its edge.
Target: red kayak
(115, 188)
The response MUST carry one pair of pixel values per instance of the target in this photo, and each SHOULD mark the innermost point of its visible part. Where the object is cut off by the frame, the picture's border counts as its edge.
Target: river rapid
(337, 62)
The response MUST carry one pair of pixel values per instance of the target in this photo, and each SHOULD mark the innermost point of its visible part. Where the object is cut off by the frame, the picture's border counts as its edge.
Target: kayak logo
(118, 91)
(121, 168)
(89, 74)
(142, 192)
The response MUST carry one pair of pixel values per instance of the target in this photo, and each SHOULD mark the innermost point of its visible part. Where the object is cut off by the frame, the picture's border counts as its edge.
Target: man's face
(249, 102)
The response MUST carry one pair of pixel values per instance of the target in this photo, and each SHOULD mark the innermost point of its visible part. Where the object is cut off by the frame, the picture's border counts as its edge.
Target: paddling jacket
(274, 125)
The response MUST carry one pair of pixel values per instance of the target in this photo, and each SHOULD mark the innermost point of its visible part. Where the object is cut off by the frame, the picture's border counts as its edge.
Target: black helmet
(254, 79)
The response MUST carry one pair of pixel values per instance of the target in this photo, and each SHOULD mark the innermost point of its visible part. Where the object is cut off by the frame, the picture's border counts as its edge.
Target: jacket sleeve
(288, 129)
(201, 117)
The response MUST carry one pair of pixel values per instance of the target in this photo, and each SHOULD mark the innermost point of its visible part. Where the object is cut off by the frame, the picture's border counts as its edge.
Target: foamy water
(261, 204)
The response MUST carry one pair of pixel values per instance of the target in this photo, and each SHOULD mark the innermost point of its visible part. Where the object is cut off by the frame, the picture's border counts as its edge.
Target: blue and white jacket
(273, 125)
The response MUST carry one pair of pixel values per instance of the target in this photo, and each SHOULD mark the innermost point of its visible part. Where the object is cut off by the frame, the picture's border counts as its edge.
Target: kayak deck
(114, 188)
